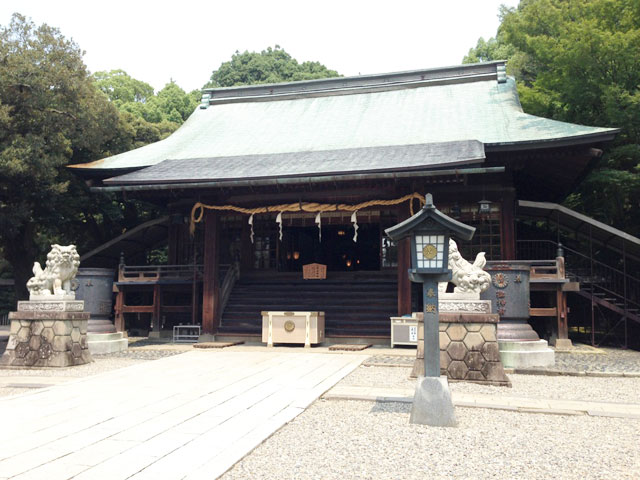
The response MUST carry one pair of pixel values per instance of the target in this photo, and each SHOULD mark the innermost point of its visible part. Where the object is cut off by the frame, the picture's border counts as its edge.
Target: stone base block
(103, 343)
(432, 404)
(526, 354)
(563, 344)
(468, 349)
(51, 306)
(47, 339)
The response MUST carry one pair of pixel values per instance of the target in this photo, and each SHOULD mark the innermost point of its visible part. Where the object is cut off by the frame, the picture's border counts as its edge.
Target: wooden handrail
(153, 273)
(230, 279)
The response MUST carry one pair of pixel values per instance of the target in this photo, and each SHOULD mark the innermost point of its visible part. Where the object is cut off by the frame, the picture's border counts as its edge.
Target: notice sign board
(404, 331)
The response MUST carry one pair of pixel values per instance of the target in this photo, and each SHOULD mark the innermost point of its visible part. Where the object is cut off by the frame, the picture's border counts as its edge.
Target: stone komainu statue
(467, 277)
(59, 274)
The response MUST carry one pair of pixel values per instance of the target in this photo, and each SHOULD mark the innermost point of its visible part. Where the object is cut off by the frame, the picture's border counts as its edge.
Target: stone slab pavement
(500, 402)
(187, 416)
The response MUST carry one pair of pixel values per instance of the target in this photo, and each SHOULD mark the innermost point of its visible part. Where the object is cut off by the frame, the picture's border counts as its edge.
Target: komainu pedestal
(468, 345)
(47, 333)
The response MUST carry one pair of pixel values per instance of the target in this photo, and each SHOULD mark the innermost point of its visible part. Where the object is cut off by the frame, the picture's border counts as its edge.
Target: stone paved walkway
(186, 416)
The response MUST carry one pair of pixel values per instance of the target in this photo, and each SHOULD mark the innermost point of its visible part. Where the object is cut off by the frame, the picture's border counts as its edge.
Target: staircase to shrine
(612, 293)
(356, 304)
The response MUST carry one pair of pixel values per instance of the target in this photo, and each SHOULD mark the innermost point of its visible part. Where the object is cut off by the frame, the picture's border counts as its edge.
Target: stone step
(522, 354)
(103, 343)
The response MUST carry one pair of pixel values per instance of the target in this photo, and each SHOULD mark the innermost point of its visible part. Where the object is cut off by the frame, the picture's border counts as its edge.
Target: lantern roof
(428, 214)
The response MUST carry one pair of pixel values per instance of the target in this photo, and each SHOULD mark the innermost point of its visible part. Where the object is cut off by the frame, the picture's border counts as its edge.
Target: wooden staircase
(356, 304)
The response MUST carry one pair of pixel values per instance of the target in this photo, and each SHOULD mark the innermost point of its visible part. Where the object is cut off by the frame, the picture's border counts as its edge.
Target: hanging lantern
(484, 206)
(456, 211)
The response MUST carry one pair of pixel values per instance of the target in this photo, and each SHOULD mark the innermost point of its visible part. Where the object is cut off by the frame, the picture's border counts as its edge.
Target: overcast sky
(186, 40)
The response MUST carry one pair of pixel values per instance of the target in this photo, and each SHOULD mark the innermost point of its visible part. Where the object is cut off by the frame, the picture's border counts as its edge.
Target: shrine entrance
(336, 248)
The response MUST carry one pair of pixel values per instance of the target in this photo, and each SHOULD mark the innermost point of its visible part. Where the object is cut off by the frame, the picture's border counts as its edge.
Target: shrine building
(263, 180)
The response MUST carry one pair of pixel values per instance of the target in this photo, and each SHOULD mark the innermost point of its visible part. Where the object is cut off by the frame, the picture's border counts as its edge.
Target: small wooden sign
(314, 271)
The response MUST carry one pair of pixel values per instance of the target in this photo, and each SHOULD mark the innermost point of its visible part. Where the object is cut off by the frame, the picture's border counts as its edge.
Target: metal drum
(509, 295)
(95, 287)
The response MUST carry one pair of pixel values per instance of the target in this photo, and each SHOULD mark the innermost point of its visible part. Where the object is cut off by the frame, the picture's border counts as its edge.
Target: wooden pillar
(119, 314)
(561, 304)
(156, 316)
(404, 264)
(508, 226)
(210, 284)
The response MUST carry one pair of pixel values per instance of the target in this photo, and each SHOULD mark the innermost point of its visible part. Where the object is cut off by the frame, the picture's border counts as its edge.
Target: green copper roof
(432, 106)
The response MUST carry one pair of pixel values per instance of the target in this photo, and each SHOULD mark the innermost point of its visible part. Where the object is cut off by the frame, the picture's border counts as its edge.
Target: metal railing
(606, 286)
(586, 270)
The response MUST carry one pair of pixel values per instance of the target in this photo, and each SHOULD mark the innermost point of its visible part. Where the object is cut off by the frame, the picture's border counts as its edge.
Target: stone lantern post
(429, 230)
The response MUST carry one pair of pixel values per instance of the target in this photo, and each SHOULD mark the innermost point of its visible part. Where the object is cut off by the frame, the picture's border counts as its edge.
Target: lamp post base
(432, 404)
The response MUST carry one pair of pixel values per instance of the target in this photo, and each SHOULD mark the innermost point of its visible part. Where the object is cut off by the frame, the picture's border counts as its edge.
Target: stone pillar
(48, 333)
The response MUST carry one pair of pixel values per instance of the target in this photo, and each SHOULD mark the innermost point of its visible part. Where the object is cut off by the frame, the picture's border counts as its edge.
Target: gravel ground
(606, 360)
(595, 389)
(362, 440)
(583, 358)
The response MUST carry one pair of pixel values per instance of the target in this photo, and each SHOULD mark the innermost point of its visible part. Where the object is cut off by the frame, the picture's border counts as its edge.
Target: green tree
(175, 104)
(147, 117)
(122, 88)
(51, 114)
(577, 61)
(272, 65)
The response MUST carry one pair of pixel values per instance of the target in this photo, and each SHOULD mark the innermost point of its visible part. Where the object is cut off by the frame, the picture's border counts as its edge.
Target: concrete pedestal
(47, 334)
(519, 354)
(102, 343)
(432, 404)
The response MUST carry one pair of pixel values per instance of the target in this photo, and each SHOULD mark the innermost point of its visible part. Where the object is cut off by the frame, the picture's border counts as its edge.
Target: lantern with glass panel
(429, 230)
(428, 247)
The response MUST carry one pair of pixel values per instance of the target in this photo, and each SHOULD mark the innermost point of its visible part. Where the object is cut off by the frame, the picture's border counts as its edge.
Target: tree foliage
(577, 61)
(272, 65)
(51, 115)
(146, 117)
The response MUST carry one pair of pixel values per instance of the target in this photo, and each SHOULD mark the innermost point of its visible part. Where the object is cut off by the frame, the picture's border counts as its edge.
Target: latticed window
(430, 250)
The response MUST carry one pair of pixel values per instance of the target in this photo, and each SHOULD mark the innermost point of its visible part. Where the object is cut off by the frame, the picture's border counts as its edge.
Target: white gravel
(595, 389)
(362, 440)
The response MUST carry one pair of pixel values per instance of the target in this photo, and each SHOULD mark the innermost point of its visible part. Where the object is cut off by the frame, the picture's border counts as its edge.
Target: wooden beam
(210, 287)
(543, 312)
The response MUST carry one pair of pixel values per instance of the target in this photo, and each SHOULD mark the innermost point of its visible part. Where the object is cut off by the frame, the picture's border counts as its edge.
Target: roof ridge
(355, 84)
